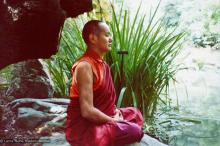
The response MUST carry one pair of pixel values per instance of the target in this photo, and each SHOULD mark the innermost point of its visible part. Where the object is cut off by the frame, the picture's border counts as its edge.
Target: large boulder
(30, 29)
(51, 130)
(30, 80)
(28, 118)
(50, 105)
(40, 114)
(58, 139)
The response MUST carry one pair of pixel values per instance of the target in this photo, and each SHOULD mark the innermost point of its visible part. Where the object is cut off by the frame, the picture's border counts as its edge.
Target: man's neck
(101, 54)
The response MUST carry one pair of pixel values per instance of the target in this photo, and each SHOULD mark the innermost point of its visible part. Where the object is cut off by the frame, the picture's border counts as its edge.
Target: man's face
(103, 38)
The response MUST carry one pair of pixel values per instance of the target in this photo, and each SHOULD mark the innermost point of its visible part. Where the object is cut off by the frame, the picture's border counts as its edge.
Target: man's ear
(92, 38)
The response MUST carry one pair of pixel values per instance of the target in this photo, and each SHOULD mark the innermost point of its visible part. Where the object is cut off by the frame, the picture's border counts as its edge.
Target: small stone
(44, 131)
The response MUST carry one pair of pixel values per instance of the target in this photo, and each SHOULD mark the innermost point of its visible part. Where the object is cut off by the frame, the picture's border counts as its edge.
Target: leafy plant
(149, 64)
(71, 47)
(147, 68)
(5, 75)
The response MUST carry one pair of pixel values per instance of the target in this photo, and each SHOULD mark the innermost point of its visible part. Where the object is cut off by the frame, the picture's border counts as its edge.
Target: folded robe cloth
(30, 29)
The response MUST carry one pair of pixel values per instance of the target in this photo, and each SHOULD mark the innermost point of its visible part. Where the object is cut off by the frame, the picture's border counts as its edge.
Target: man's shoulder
(84, 59)
(83, 65)
(82, 62)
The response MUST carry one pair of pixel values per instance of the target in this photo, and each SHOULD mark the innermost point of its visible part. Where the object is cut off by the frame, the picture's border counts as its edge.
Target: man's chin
(107, 49)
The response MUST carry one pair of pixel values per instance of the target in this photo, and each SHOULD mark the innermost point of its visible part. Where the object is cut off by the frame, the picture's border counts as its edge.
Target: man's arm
(84, 78)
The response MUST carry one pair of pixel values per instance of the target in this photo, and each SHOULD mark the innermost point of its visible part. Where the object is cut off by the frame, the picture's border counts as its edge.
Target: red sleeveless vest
(80, 131)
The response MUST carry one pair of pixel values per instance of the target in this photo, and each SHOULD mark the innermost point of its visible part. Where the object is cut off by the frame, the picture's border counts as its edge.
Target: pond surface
(197, 93)
(207, 133)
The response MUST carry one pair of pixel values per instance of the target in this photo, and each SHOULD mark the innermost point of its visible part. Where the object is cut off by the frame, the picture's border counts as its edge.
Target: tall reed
(147, 68)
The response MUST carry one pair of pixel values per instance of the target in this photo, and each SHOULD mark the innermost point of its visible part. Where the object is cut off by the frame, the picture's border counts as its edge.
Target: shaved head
(96, 34)
(91, 27)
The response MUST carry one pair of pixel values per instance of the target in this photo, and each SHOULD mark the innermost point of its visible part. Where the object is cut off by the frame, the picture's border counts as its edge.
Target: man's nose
(110, 40)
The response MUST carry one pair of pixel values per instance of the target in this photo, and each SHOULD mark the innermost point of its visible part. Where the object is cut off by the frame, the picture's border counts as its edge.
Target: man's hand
(118, 115)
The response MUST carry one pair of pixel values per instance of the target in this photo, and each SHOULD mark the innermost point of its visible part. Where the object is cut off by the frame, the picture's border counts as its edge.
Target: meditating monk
(92, 116)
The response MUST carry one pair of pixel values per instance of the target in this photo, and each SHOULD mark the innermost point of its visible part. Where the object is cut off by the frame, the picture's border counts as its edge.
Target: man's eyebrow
(109, 33)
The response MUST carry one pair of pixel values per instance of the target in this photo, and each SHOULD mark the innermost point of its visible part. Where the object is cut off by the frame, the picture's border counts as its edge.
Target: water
(197, 90)
(205, 134)
(198, 94)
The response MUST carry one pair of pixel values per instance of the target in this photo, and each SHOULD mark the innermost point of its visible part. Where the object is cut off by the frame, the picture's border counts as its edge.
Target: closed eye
(108, 34)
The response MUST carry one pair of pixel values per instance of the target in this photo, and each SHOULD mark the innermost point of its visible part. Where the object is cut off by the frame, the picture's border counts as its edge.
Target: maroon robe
(82, 132)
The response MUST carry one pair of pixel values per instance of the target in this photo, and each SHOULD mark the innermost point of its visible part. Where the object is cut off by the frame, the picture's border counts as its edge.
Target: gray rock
(52, 118)
(38, 113)
(50, 105)
(30, 80)
(28, 118)
(148, 141)
(57, 139)
(58, 121)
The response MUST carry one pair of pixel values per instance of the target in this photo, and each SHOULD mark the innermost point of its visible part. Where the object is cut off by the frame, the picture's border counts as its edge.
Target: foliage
(172, 14)
(149, 65)
(210, 39)
(147, 69)
(59, 66)
(201, 21)
(211, 24)
(5, 75)
(71, 47)
(102, 10)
